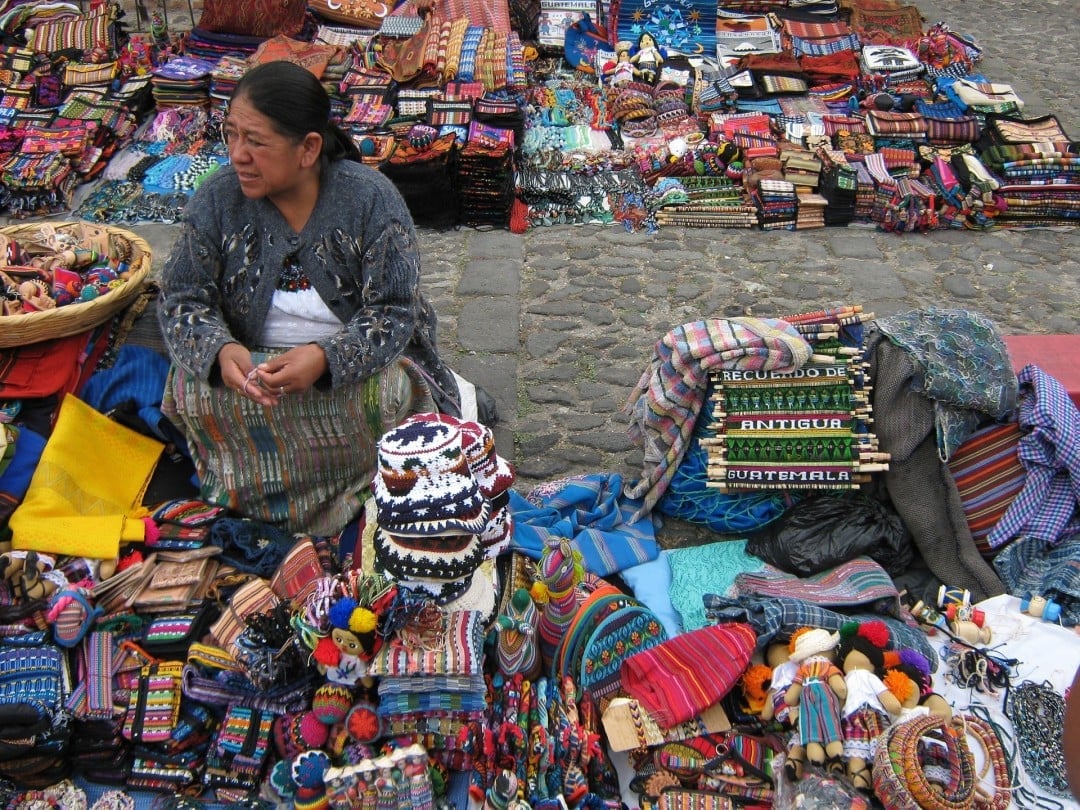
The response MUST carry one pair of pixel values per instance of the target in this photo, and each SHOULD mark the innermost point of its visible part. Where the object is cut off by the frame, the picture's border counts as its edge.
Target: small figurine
(869, 707)
(621, 71)
(818, 690)
(647, 58)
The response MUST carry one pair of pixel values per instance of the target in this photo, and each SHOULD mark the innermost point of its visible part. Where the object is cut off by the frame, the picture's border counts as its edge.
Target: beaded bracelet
(994, 758)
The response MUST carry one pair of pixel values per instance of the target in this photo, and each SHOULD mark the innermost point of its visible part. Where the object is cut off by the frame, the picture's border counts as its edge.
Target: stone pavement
(559, 324)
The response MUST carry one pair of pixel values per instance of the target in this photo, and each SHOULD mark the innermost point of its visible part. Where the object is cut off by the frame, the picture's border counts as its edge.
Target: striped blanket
(665, 404)
(857, 582)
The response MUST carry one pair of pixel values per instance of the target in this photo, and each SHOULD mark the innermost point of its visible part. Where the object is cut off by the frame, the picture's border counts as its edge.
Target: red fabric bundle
(681, 677)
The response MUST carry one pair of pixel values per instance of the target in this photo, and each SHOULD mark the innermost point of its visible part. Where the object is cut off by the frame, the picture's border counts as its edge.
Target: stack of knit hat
(440, 493)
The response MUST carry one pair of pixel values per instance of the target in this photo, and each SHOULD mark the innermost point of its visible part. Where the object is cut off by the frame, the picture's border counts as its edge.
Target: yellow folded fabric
(85, 497)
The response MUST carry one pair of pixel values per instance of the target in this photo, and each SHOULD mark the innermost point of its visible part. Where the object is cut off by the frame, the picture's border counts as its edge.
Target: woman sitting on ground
(292, 312)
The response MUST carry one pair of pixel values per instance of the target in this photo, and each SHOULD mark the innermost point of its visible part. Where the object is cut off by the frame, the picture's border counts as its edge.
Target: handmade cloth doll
(560, 572)
(621, 71)
(776, 709)
(647, 58)
(818, 689)
(517, 647)
(869, 707)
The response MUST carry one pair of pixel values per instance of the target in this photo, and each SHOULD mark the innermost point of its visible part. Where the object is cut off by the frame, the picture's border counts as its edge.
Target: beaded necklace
(1021, 796)
(1038, 716)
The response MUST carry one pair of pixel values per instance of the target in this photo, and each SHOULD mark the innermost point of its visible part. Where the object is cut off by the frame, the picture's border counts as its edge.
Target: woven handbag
(154, 703)
(359, 13)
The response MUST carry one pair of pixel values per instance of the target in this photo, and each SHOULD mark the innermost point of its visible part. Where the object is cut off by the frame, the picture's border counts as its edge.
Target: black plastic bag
(824, 531)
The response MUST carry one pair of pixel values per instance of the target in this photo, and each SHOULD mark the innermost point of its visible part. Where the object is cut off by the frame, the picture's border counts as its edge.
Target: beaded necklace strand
(1038, 716)
(1022, 796)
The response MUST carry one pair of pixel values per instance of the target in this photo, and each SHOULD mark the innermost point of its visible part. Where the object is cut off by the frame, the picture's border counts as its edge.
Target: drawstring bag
(583, 40)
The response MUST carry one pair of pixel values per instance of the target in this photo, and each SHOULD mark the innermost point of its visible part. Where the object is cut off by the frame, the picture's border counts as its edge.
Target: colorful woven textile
(456, 650)
(709, 568)
(1046, 508)
(857, 582)
(805, 429)
(239, 447)
(1034, 566)
(681, 677)
(988, 476)
(780, 616)
(592, 512)
(964, 365)
(664, 406)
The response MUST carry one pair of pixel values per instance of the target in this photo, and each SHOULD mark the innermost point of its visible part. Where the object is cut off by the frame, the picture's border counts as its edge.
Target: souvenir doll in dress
(869, 707)
(621, 71)
(818, 690)
(778, 656)
(647, 58)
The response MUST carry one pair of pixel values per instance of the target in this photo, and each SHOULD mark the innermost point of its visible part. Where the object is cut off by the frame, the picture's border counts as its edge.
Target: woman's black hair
(296, 103)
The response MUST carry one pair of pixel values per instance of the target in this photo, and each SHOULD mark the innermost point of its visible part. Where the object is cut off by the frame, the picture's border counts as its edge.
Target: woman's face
(268, 164)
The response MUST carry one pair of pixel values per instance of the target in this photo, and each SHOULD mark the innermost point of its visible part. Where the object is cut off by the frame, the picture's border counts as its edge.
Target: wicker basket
(34, 327)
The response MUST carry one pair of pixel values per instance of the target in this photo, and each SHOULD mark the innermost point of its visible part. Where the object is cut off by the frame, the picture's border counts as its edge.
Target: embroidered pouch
(171, 635)
(299, 573)
(1004, 129)
(684, 799)
(359, 13)
(79, 73)
(442, 113)
(154, 703)
(239, 753)
(20, 60)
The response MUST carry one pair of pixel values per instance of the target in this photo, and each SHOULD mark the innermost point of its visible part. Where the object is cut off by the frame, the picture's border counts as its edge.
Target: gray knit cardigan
(359, 250)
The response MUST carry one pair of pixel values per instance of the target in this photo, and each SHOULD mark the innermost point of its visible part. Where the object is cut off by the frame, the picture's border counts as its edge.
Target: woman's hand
(293, 372)
(239, 374)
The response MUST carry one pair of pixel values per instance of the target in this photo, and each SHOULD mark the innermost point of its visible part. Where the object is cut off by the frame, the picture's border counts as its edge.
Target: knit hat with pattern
(424, 485)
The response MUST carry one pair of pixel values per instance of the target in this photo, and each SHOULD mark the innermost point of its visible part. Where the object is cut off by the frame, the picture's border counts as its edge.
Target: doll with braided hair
(869, 707)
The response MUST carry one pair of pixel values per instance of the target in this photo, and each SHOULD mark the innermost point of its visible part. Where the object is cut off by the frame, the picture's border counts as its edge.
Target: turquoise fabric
(699, 570)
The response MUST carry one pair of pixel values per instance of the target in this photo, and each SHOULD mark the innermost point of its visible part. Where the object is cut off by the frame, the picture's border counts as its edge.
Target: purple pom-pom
(914, 658)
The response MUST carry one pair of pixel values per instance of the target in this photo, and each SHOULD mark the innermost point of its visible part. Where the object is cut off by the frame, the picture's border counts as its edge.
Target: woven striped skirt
(303, 465)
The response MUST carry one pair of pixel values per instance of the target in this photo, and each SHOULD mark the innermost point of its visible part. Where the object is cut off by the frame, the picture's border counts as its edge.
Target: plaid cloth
(667, 399)
(780, 616)
(1046, 507)
(1033, 566)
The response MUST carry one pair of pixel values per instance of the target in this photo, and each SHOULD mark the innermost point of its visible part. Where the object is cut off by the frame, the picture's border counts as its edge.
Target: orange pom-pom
(755, 685)
(902, 687)
(326, 652)
(891, 658)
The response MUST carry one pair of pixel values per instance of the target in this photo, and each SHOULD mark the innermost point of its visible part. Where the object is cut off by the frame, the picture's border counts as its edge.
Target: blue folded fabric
(590, 511)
